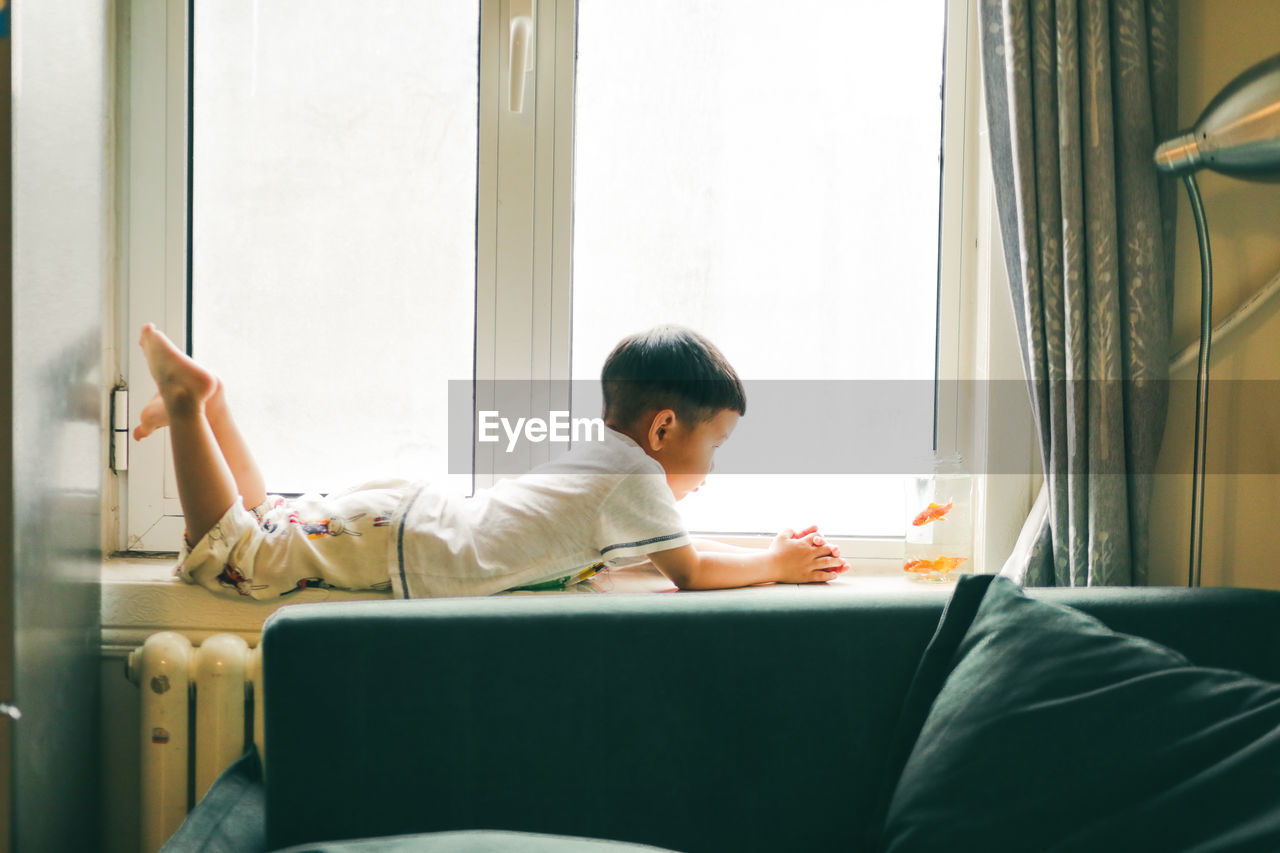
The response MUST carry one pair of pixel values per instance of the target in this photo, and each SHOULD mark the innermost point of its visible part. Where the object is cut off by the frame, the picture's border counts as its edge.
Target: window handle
(520, 47)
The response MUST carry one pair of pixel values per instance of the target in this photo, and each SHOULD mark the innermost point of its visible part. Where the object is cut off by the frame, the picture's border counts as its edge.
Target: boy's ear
(660, 428)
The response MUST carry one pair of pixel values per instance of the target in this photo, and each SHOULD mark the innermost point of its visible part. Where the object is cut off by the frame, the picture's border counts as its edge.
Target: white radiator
(195, 703)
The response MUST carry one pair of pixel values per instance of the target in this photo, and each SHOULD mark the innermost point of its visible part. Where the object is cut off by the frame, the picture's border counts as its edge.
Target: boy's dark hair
(669, 367)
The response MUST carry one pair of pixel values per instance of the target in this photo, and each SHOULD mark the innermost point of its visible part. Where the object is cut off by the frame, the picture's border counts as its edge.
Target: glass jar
(939, 509)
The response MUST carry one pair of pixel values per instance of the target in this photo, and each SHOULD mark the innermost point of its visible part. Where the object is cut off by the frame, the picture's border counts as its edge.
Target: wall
(61, 229)
(1218, 39)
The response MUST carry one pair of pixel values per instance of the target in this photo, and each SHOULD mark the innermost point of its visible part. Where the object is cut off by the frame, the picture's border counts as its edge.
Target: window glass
(333, 228)
(768, 175)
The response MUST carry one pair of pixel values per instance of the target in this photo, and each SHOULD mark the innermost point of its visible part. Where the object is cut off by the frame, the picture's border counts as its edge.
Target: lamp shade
(1238, 134)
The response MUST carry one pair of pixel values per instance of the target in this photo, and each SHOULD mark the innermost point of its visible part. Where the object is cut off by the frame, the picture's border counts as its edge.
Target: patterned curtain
(1078, 94)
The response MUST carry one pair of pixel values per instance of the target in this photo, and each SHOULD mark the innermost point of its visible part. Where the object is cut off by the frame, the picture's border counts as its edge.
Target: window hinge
(120, 428)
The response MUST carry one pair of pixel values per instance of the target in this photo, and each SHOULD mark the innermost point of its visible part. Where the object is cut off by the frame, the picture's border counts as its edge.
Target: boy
(670, 399)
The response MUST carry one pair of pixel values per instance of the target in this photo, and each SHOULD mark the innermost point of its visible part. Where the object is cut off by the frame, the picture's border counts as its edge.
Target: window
(772, 180)
(370, 218)
(333, 209)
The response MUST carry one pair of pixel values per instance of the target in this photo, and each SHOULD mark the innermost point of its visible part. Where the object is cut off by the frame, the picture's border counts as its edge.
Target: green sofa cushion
(715, 721)
(1034, 727)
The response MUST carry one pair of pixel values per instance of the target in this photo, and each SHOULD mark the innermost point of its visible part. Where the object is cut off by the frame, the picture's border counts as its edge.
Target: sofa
(993, 719)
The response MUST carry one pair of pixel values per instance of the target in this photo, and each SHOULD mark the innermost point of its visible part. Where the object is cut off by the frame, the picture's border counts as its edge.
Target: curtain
(1078, 94)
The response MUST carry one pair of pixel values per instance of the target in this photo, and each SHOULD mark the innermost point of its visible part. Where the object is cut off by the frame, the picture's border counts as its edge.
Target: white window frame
(153, 257)
(522, 271)
(523, 245)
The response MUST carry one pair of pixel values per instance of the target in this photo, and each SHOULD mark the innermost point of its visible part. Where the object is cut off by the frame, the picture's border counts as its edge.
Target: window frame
(523, 246)
(153, 259)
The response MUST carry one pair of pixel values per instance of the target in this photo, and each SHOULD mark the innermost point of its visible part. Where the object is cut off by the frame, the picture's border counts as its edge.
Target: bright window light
(333, 228)
(768, 175)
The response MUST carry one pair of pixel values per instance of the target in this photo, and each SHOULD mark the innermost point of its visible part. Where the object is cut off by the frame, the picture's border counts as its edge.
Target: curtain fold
(1078, 94)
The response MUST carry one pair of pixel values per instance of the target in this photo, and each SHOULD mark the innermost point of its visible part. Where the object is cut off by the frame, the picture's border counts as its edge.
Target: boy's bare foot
(184, 385)
(153, 416)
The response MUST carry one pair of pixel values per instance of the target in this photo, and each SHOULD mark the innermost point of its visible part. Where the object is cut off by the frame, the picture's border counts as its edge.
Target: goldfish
(933, 512)
(942, 565)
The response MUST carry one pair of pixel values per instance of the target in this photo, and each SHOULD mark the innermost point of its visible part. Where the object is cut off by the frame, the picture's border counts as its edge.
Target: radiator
(196, 704)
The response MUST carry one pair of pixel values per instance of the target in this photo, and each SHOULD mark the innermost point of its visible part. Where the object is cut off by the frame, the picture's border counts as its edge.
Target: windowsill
(140, 596)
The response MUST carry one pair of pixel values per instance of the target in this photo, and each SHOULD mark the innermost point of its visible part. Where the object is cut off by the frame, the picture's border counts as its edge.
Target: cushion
(231, 817)
(475, 841)
(1032, 726)
(712, 721)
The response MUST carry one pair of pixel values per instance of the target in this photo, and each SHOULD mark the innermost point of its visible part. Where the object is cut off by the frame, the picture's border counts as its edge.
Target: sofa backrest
(713, 721)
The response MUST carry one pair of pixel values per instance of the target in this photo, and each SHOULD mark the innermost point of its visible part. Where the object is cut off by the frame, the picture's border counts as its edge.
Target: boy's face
(686, 451)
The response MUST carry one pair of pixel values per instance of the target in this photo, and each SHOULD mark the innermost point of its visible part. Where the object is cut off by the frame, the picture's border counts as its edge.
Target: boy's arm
(788, 559)
(704, 545)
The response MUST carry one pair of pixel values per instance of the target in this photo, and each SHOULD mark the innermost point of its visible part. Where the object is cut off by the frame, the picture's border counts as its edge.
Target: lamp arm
(1202, 381)
(1237, 134)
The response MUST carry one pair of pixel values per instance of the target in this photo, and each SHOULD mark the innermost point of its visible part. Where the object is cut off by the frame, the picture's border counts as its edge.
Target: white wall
(1218, 39)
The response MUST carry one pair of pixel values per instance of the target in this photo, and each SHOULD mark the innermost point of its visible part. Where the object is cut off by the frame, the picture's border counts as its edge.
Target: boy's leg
(235, 450)
(206, 487)
(253, 489)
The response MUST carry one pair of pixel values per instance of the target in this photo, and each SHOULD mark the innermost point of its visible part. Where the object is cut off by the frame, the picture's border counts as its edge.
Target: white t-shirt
(603, 502)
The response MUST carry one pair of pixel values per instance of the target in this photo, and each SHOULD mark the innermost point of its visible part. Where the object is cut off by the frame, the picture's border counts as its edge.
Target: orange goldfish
(933, 512)
(942, 565)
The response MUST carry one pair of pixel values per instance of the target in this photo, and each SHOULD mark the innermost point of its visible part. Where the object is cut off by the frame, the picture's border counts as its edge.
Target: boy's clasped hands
(806, 556)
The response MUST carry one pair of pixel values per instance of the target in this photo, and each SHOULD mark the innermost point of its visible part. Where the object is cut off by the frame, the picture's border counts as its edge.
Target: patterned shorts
(337, 541)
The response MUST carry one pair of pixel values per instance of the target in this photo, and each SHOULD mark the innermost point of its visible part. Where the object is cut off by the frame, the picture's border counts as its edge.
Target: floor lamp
(1238, 134)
